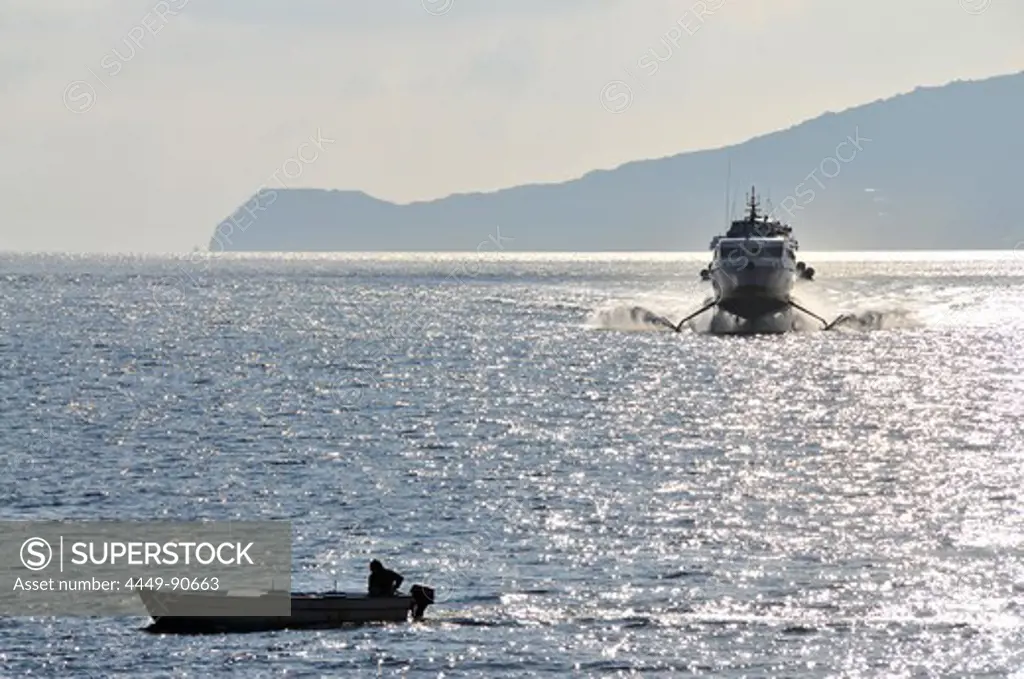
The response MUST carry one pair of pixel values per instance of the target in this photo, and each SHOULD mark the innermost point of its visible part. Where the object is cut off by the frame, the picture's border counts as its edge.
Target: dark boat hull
(754, 292)
(175, 613)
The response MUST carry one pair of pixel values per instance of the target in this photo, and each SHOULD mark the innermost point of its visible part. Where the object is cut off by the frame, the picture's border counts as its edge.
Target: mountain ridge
(934, 168)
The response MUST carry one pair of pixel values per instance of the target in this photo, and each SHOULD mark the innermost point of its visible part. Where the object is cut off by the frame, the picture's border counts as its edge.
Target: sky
(137, 125)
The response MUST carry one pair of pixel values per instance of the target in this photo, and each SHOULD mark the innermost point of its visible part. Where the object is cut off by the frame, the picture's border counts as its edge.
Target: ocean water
(590, 495)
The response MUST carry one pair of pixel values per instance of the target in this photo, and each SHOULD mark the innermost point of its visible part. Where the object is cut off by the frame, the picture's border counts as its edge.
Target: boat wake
(869, 319)
(626, 318)
(634, 318)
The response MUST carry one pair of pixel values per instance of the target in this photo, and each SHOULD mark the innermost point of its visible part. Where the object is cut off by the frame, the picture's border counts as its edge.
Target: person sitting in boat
(383, 582)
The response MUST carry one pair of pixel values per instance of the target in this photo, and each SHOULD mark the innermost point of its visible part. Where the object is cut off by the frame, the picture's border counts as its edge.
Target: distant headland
(937, 168)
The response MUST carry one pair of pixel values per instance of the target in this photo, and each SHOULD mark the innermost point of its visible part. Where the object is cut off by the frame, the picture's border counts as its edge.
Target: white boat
(754, 266)
(210, 612)
(753, 270)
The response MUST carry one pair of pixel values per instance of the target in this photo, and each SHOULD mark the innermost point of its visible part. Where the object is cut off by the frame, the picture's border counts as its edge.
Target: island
(932, 169)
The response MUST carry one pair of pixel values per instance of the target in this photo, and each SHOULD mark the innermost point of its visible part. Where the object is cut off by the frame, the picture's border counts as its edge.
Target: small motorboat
(213, 613)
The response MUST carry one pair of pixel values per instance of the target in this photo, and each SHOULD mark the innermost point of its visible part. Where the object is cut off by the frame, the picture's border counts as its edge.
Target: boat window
(731, 251)
(751, 248)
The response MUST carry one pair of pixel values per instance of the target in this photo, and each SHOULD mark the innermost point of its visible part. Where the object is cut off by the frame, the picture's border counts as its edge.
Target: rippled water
(591, 496)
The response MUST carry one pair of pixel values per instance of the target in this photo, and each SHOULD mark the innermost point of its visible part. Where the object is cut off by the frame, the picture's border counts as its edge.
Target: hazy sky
(137, 126)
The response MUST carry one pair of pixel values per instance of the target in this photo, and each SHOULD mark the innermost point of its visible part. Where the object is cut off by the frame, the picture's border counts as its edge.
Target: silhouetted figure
(382, 581)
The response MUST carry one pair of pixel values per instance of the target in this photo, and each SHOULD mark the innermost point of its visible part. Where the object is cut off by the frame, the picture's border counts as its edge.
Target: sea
(589, 493)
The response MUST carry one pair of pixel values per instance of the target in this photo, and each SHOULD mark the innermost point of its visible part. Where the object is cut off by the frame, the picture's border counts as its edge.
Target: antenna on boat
(752, 205)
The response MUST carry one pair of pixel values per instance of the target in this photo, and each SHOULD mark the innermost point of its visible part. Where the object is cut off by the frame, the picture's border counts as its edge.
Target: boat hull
(175, 613)
(753, 292)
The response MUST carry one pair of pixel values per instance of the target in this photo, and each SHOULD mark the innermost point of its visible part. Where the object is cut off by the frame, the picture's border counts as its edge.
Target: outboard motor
(421, 597)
